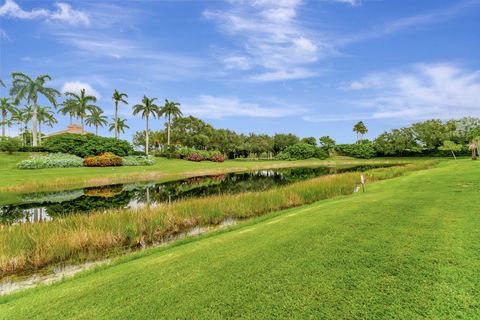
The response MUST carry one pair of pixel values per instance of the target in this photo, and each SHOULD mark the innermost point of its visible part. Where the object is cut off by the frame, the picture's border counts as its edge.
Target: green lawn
(13, 179)
(408, 248)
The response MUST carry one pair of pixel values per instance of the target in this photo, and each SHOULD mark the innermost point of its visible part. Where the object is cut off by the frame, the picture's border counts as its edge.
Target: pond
(44, 206)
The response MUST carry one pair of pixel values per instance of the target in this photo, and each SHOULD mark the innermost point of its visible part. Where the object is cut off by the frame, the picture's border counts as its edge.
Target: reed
(26, 247)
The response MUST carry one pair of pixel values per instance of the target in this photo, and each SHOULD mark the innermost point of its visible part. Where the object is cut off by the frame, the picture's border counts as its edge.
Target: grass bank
(78, 238)
(409, 248)
(16, 180)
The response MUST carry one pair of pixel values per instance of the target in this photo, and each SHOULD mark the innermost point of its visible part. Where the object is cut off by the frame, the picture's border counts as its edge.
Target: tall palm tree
(121, 125)
(69, 106)
(118, 97)
(83, 104)
(170, 110)
(24, 87)
(6, 107)
(96, 119)
(146, 108)
(45, 116)
(360, 129)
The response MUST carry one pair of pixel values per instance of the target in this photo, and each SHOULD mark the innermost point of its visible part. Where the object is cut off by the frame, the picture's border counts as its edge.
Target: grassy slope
(408, 248)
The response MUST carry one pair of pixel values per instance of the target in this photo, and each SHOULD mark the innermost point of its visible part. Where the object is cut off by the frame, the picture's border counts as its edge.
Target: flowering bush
(52, 160)
(106, 159)
(137, 161)
(217, 158)
(197, 157)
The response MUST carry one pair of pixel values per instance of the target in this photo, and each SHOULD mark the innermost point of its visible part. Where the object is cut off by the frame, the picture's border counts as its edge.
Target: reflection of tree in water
(86, 204)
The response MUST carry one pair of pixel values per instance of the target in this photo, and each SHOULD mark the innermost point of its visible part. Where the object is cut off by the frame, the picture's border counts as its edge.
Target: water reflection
(49, 205)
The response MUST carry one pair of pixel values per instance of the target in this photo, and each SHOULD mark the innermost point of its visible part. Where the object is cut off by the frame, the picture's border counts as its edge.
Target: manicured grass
(409, 248)
(13, 179)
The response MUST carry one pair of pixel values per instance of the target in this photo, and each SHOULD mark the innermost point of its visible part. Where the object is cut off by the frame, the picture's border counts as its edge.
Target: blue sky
(309, 67)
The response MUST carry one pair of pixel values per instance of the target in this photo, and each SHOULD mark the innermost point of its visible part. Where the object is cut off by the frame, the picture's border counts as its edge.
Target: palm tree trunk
(4, 119)
(39, 133)
(35, 123)
(71, 118)
(146, 139)
(168, 130)
(96, 130)
(81, 119)
(116, 119)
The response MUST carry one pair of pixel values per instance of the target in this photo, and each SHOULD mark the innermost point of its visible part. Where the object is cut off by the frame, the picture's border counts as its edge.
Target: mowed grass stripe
(408, 248)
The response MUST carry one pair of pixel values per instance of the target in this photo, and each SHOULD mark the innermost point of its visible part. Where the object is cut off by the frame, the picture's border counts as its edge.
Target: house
(71, 128)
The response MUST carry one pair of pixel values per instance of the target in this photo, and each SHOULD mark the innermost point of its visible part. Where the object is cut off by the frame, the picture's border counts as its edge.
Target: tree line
(22, 108)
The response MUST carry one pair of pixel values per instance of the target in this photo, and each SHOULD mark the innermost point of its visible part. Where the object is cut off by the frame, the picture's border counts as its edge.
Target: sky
(312, 68)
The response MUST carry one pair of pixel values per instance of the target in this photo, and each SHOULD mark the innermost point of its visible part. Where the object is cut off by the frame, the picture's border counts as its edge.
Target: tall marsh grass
(25, 247)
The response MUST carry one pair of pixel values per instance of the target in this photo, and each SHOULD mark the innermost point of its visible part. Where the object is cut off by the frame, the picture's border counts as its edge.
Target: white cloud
(270, 39)
(211, 107)
(76, 86)
(353, 3)
(424, 91)
(280, 75)
(64, 13)
(371, 81)
(427, 18)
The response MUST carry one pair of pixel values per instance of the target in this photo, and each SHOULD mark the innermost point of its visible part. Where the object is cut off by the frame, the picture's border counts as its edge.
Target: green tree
(146, 108)
(83, 103)
(6, 107)
(121, 125)
(24, 87)
(327, 143)
(97, 119)
(118, 97)
(310, 140)
(450, 146)
(430, 134)
(170, 110)
(45, 116)
(282, 141)
(69, 106)
(360, 129)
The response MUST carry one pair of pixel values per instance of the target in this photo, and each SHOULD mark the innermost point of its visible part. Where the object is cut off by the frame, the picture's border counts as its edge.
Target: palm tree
(5, 108)
(360, 129)
(121, 125)
(474, 145)
(118, 97)
(69, 106)
(45, 115)
(24, 87)
(83, 104)
(146, 108)
(96, 119)
(24, 116)
(170, 110)
(2, 84)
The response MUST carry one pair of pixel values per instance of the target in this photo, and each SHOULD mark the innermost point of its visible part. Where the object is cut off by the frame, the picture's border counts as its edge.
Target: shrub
(299, 151)
(195, 157)
(218, 158)
(364, 150)
(137, 161)
(86, 145)
(9, 144)
(107, 159)
(321, 153)
(52, 160)
(32, 149)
